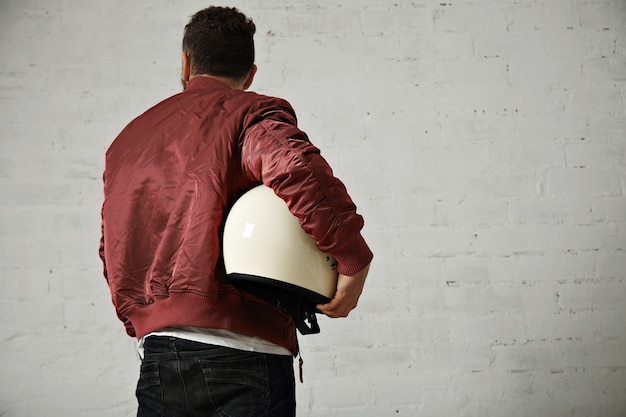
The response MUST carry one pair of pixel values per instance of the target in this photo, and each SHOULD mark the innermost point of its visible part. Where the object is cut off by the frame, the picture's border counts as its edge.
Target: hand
(349, 289)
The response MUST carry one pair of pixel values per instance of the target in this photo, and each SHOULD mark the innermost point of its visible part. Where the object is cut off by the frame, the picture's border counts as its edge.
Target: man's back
(170, 177)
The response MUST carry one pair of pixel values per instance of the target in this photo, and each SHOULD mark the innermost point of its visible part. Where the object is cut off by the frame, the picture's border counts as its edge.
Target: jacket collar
(204, 82)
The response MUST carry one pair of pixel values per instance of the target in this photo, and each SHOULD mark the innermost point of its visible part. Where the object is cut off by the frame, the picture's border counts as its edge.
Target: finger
(333, 310)
(326, 309)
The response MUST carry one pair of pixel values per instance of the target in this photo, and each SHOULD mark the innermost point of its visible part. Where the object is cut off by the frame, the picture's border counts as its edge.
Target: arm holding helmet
(280, 155)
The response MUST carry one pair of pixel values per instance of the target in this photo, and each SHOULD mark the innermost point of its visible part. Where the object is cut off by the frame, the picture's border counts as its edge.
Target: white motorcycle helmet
(267, 253)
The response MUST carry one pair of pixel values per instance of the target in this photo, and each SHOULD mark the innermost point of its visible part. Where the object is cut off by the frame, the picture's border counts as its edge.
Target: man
(170, 178)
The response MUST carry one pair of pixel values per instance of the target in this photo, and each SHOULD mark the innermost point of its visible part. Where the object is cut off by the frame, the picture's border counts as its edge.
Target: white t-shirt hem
(218, 337)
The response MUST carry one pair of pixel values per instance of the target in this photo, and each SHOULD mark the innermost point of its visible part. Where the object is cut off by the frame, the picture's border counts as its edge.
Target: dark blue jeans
(184, 378)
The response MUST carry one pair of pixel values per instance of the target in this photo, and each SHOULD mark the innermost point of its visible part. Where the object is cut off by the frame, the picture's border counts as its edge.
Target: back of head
(219, 42)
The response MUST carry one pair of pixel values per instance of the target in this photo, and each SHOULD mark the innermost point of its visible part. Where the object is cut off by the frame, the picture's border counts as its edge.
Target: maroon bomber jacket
(170, 178)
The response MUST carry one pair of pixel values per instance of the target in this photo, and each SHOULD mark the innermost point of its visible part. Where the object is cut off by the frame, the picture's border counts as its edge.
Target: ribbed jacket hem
(230, 310)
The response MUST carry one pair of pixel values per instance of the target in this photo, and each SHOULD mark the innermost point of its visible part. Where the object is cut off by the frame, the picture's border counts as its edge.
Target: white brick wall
(484, 142)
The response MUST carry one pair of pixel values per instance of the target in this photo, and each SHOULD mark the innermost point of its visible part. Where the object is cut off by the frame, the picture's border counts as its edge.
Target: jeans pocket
(237, 384)
(149, 392)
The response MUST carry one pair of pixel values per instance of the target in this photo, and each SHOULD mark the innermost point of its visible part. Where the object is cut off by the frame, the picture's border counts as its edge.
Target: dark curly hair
(219, 41)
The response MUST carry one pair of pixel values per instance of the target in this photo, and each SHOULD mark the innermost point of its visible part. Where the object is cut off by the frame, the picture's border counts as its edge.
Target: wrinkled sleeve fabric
(101, 252)
(278, 154)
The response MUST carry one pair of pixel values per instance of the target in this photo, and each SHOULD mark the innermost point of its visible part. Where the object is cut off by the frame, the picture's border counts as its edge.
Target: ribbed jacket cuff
(353, 256)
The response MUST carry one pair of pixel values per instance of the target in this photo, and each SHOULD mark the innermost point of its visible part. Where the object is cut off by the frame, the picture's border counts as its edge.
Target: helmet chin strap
(312, 328)
(302, 311)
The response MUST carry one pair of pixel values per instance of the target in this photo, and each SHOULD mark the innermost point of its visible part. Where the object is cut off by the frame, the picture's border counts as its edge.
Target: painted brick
(596, 154)
(452, 17)
(580, 238)
(496, 43)
(554, 210)
(439, 240)
(480, 300)
(467, 270)
(493, 328)
(546, 16)
(558, 267)
(526, 156)
(610, 265)
(410, 18)
(515, 239)
(602, 15)
(583, 181)
(473, 71)
(332, 393)
(478, 212)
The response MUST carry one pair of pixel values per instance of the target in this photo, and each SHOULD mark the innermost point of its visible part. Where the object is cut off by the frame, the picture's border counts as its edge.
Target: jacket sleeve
(277, 153)
(127, 324)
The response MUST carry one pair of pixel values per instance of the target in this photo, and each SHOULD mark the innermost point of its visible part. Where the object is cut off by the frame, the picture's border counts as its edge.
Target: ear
(186, 70)
(250, 78)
